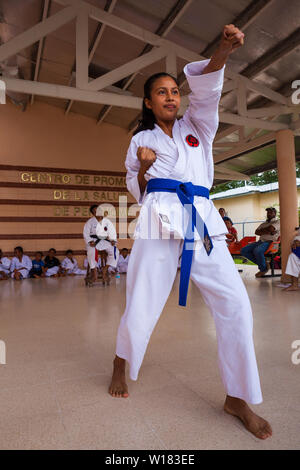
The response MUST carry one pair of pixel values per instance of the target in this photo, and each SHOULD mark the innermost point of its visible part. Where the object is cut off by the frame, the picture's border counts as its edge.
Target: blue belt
(185, 193)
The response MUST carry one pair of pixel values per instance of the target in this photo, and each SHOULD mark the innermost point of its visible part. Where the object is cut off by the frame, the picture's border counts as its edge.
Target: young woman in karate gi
(169, 163)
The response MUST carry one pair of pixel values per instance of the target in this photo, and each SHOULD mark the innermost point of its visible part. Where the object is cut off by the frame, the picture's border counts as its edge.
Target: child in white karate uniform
(20, 265)
(4, 267)
(69, 265)
(169, 164)
(293, 264)
(123, 261)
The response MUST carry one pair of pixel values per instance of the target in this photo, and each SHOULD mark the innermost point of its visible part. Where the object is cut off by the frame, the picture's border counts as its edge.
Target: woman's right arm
(138, 161)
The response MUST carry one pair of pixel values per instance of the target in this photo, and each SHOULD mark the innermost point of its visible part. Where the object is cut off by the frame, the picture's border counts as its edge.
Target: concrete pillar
(288, 200)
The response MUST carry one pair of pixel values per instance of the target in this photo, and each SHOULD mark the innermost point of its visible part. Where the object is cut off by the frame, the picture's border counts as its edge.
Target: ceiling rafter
(243, 20)
(46, 9)
(163, 29)
(109, 7)
(81, 11)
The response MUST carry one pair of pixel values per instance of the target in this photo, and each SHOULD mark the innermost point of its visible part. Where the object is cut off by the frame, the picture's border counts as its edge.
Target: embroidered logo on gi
(192, 141)
(105, 228)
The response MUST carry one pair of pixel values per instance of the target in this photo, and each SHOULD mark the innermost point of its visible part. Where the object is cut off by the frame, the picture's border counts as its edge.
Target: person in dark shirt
(37, 266)
(52, 264)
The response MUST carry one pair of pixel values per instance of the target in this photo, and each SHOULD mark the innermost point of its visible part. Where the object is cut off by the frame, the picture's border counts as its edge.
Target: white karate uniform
(153, 262)
(5, 265)
(25, 265)
(72, 267)
(88, 230)
(293, 263)
(52, 271)
(106, 229)
(85, 262)
(123, 264)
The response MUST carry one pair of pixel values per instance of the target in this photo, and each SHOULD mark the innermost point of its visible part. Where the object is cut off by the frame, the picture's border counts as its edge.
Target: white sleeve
(112, 234)
(13, 264)
(75, 263)
(64, 263)
(6, 263)
(132, 165)
(87, 231)
(27, 263)
(204, 98)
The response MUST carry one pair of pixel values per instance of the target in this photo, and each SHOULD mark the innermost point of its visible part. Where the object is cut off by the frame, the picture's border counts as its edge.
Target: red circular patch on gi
(192, 141)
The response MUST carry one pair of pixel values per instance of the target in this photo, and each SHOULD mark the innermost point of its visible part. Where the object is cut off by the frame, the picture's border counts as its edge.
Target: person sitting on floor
(268, 232)
(4, 267)
(293, 264)
(52, 264)
(37, 266)
(20, 264)
(232, 232)
(69, 265)
(123, 261)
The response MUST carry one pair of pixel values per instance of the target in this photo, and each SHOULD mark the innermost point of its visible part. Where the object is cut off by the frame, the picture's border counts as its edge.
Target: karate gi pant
(91, 253)
(293, 265)
(112, 258)
(151, 273)
(24, 274)
(52, 271)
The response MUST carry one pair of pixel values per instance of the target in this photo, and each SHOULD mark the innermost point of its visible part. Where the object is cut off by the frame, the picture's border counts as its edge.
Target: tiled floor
(60, 339)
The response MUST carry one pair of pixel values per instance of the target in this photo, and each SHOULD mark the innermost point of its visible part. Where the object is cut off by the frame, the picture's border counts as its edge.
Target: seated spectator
(231, 230)
(37, 266)
(4, 267)
(123, 261)
(52, 264)
(293, 264)
(268, 232)
(223, 214)
(20, 264)
(69, 265)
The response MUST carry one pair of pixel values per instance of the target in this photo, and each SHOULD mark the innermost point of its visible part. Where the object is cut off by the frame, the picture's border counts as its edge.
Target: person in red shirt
(231, 230)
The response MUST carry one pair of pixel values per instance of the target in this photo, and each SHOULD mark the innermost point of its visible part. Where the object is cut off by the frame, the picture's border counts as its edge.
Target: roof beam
(34, 34)
(273, 55)
(82, 47)
(243, 20)
(133, 66)
(41, 45)
(164, 28)
(109, 6)
(232, 118)
(245, 146)
(71, 93)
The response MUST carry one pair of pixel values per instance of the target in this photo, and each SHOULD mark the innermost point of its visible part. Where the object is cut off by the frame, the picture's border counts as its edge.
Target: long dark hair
(148, 119)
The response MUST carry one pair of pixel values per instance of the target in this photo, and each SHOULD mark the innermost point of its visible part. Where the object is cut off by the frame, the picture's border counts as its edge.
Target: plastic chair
(270, 253)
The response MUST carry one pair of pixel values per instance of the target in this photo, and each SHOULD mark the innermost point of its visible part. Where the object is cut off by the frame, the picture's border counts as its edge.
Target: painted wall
(43, 139)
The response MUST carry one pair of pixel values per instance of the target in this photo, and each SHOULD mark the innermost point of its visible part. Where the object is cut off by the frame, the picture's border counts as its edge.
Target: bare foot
(252, 422)
(292, 287)
(118, 387)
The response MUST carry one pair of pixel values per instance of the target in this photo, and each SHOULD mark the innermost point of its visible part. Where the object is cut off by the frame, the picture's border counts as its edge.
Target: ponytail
(148, 118)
